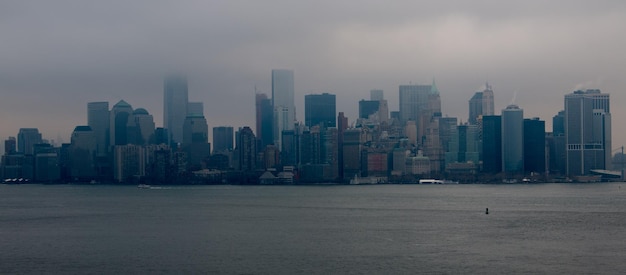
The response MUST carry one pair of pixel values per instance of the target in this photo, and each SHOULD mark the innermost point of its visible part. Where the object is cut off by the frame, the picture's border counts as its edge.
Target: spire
(433, 88)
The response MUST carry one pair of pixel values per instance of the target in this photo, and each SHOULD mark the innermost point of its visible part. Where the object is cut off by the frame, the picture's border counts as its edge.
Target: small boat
(143, 186)
(430, 181)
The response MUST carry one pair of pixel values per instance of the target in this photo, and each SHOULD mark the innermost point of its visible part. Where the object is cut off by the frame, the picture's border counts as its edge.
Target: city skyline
(56, 59)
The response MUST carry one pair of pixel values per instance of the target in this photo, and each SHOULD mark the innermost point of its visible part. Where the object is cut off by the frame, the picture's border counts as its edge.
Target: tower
(98, 119)
(175, 98)
(283, 103)
(320, 109)
(196, 140)
(26, 139)
(222, 139)
(264, 120)
(121, 118)
(587, 131)
(513, 140)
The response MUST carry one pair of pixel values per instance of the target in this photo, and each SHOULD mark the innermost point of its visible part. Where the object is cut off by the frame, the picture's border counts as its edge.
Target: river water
(377, 229)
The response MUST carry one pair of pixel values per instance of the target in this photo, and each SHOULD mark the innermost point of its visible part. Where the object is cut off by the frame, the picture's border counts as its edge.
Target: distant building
(320, 109)
(196, 140)
(98, 119)
(481, 104)
(175, 99)
(587, 131)
(144, 127)
(283, 103)
(10, 146)
(121, 118)
(535, 146)
(264, 120)
(128, 162)
(26, 139)
(492, 144)
(82, 154)
(246, 148)
(513, 140)
(223, 139)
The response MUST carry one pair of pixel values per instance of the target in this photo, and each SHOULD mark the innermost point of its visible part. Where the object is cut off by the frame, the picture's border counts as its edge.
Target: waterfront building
(144, 127)
(196, 140)
(513, 140)
(82, 153)
(492, 144)
(535, 146)
(481, 104)
(10, 146)
(587, 131)
(246, 148)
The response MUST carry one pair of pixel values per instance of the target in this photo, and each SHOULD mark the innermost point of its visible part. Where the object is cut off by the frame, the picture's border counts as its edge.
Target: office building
(512, 140)
(264, 120)
(481, 104)
(196, 140)
(10, 146)
(535, 146)
(492, 144)
(175, 99)
(82, 153)
(320, 109)
(98, 119)
(222, 139)
(144, 127)
(246, 149)
(587, 131)
(283, 103)
(121, 118)
(26, 139)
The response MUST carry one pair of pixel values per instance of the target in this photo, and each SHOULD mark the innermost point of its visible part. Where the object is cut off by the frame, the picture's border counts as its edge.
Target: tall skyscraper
(320, 109)
(10, 146)
(121, 117)
(264, 120)
(144, 126)
(26, 139)
(283, 103)
(587, 131)
(222, 139)
(82, 153)
(175, 101)
(98, 119)
(196, 140)
(246, 148)
(481, 104)
(513, 140)
(534, 146)
(492, 144)
(413, 101)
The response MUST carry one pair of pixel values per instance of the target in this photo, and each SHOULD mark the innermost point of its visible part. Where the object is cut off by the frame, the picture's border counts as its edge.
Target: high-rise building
(10, 146)
(264, 120)
(222, 139)
(534, 146)
(320, 109)
(175, 101)
(196, 140)
(283, 103)
(557, 148)
(128, 162)
(481, 104)
(82, 153)
(246, 148)
(513, 140)
(98, 119)
(368, 108)
(587, 131)
(413, 101)
(121, 119)
(492, 144)
(26, 139)
(144, 126)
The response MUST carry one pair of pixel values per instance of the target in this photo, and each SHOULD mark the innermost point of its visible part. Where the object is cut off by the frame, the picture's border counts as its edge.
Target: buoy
(487, 211)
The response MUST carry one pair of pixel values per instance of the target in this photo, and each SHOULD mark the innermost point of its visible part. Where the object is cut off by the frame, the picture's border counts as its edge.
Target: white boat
(430, 181)
(143, 186)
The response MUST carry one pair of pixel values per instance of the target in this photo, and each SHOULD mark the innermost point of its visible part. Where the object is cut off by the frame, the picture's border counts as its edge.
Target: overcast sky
(55, 56)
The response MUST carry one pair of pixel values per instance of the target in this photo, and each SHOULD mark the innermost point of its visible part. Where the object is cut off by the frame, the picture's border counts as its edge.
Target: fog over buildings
(57, 56)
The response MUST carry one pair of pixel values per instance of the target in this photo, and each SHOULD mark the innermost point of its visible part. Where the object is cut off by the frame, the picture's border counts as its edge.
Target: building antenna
(514, 97)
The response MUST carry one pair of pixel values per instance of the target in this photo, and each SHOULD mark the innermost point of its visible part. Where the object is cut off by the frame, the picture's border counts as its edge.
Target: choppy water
(385, 229)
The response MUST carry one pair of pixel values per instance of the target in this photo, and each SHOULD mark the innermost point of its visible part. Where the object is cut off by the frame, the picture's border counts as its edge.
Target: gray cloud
(56, 56)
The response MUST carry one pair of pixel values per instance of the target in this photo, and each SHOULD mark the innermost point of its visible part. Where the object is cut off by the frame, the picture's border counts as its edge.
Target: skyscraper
(26, 139)
(513, 140)
(196, 140)
(481, 104)
(98, 119)
(121, 117)
(175, 101)
(535, 145)
(587, 131)
(264, 120)
(320, 109)
(144, 126)
(222, 139)
(82, 153)
(10, 146)
(246, 147)
(413, 100)
(283, 103)
(492, 144)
